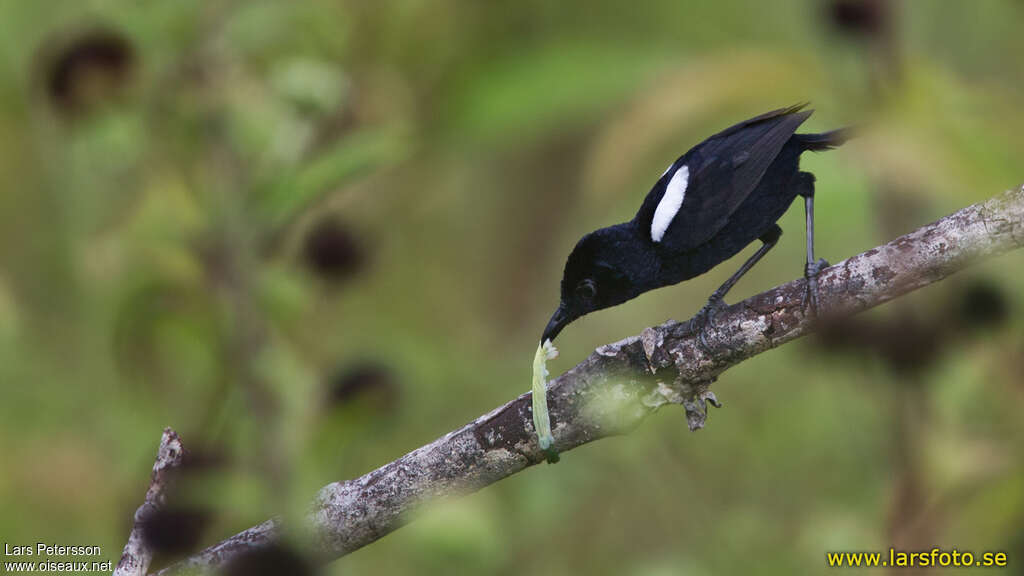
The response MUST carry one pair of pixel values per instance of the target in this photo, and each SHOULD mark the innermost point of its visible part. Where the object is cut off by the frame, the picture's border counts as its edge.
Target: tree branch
(619, 384)
(136, 556)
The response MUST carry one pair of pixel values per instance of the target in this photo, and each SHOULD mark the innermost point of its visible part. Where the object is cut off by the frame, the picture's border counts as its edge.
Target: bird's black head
(599, 273)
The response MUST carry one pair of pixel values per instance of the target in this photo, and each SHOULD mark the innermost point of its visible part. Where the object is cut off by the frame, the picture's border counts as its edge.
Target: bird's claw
(811, 271)
(706, 317)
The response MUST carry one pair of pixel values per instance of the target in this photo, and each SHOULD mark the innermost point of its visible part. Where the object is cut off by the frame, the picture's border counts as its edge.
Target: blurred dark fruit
(88, 68)
(858, 17)
(333, 252)
(174, 531)
(372, 381)
(983, 304)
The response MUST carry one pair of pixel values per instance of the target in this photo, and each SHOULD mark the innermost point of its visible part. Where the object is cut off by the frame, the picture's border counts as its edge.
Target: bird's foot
(706, 317)
(811, 272)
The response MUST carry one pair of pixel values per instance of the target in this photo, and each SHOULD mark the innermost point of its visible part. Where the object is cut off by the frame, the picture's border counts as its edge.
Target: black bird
(713, 201)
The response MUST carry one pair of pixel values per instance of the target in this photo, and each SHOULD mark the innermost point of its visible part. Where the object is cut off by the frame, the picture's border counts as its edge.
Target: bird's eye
(586, 289)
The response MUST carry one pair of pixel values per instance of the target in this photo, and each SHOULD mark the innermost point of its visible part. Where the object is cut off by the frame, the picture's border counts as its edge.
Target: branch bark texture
(619, 384)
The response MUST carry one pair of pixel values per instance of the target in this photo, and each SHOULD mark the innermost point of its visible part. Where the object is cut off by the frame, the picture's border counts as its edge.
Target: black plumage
(733, 187)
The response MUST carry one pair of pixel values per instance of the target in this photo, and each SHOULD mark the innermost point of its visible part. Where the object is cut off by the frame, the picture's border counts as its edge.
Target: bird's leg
(812, 267)
(705, 316)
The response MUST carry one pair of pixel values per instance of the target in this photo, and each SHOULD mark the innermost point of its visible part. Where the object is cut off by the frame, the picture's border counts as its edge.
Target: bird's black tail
(825, 140)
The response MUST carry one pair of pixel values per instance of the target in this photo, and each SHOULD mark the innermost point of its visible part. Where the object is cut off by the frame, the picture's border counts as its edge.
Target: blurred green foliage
(153, 269)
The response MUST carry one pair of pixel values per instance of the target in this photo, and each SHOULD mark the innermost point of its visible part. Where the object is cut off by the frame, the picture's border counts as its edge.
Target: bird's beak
(558, 321)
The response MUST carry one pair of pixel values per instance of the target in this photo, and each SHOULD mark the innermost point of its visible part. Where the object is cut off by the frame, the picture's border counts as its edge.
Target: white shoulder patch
(670, 203)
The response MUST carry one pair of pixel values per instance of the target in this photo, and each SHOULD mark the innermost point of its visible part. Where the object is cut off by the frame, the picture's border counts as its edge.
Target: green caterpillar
(541, 420)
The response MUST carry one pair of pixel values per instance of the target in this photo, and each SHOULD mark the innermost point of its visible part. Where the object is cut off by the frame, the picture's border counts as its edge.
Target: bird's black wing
(722, 171)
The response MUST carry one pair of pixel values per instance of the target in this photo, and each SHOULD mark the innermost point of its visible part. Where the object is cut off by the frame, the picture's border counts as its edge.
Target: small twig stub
(137, 555)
